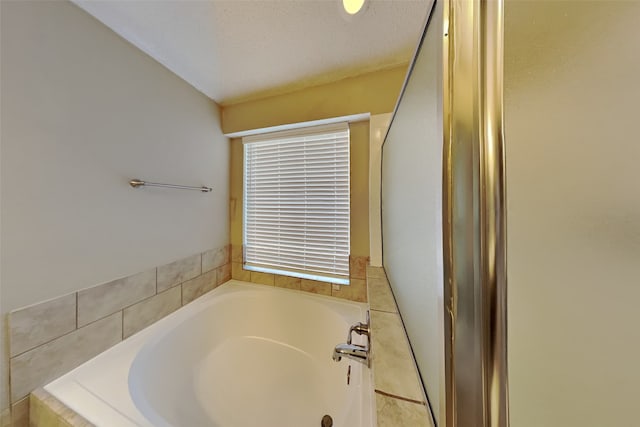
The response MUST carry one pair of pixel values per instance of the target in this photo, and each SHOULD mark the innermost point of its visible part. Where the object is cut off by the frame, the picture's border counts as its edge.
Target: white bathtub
(243, 355)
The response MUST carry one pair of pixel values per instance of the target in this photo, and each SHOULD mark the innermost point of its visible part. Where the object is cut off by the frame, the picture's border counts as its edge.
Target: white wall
(83, 112)
(412, 211)
(573, 180)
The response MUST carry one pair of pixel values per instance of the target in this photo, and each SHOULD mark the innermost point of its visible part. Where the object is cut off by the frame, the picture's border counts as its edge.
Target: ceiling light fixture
(353, 6)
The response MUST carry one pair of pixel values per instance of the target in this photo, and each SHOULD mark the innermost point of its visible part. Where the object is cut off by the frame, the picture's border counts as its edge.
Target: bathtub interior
(268, 364)
(242, 355)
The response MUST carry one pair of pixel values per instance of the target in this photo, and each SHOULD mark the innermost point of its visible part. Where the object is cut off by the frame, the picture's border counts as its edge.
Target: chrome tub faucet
(356, 352)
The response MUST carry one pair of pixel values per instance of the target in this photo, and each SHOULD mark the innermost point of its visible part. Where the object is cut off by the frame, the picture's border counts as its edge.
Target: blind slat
(296, 201)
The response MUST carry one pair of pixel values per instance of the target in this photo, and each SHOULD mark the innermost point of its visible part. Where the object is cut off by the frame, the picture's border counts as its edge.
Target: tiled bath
(77, 329)
(399, 397)
(50, 338)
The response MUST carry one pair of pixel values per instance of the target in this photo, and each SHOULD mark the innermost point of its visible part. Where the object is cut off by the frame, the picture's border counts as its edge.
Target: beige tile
(224, 274)
(316, 287)
(392, 412)
(199, 286)
(47, 411)
(5, 418)
(179, 271)
(380, 296)
(41, 414)
(393, 366)
(358, 266)
(237, 253)
(239, 273)
(20, 413)
(144, 313)
(103, 300)
(356, 290)
(377, 272)
(215, 258)
(287, 282)
(262, 278)
(32, 326)
(39, 366)
(73, 419)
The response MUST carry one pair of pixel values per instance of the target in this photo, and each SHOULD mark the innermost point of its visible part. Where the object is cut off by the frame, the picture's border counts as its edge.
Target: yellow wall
(235, 192)
(373, 93)
(370, 93)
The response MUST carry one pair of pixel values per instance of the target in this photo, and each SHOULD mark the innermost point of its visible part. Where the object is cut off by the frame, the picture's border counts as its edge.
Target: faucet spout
(351, 351)
(356, 352)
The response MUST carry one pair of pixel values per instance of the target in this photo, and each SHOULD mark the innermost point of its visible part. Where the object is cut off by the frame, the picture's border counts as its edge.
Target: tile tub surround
(109, 376)
(398, 393)
(180, 271)
(355, 291)
(400, 398)
(5, 418)
(46, 410)
(144, 313)
(50, 338)
(100, 301)
(215, 258)
(44, 363)
(393, 412)
(19, 414)
(60, 315)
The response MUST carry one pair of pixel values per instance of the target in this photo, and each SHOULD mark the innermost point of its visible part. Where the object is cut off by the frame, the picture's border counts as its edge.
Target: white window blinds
(296, 203)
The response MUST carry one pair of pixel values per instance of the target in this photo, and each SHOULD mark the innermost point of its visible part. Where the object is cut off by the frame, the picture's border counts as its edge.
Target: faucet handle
(360, 329)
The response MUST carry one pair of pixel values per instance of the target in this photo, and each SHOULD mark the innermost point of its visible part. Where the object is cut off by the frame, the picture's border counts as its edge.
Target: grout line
(150, 297)
(383, 311)
(77, 307)
(63, 335)
(9, 382)
(54, 338)
(406, 399)
(18, 401)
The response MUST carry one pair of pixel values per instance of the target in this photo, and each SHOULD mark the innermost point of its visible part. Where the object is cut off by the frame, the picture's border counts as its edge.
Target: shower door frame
(474, 215)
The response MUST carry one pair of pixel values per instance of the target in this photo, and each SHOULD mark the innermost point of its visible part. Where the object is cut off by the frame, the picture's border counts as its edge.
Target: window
(296, 203)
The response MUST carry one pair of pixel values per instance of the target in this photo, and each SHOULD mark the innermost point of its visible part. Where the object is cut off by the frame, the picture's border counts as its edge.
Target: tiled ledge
(355, 291)
(400, 399)
(46, 411)
(5, 418)
(51, 338)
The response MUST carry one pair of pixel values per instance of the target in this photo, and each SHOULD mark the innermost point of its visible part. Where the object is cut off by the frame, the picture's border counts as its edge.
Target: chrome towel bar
(135, 183)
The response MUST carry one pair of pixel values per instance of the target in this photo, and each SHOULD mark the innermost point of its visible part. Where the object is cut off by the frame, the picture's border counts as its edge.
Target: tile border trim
(395, 396)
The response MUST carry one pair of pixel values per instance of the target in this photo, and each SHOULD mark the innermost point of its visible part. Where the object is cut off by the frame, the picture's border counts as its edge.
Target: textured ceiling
(237, 49)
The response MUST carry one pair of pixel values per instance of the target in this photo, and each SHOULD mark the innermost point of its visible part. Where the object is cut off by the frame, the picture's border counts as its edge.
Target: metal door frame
(474, 215)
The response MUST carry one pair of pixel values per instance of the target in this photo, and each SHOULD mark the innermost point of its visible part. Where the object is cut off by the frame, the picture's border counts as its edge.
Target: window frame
(280, 137)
